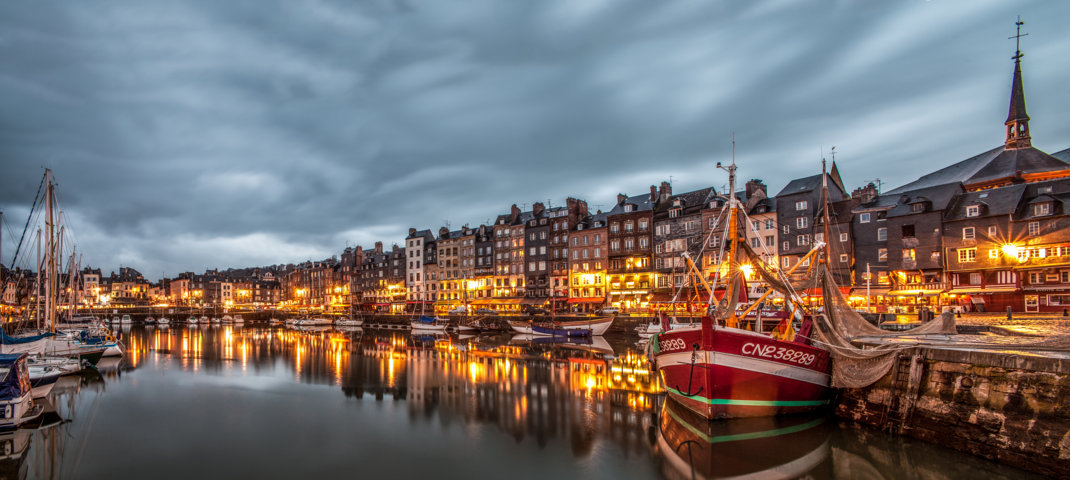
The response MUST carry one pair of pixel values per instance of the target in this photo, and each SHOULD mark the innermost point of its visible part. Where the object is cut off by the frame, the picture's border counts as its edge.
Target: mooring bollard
(1065, 313)
(1009, 313)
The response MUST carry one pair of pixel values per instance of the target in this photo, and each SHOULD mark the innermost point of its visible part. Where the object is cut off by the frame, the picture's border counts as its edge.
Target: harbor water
(273, 402)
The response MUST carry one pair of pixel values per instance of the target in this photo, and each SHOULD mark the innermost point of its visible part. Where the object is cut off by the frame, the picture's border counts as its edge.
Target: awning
(816, 291)
(587, 300)
(915, 292)
(1062, 288)
(417, 302)
(872, 291)
(532, 301)
(985, 290)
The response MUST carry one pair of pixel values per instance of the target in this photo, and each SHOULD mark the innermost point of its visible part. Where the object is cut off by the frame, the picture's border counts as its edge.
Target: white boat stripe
(750, 364)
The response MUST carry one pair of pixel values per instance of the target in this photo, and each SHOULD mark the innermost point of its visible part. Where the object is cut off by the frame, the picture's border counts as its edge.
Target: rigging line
(35, 198)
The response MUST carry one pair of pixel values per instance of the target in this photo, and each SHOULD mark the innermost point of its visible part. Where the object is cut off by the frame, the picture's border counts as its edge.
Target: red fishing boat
(717, 368)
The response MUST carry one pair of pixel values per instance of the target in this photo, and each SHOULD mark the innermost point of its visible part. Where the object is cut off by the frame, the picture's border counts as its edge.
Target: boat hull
(596, 326)
(730, 373)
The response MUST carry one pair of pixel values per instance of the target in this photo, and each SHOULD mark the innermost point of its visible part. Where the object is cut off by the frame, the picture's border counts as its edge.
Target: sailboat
(717, 369)
(74, 344)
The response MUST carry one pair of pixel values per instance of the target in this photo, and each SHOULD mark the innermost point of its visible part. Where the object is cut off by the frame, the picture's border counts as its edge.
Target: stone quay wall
(1011, 408)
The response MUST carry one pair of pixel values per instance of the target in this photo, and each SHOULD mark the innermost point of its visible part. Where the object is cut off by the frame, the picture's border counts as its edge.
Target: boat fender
(110, 338)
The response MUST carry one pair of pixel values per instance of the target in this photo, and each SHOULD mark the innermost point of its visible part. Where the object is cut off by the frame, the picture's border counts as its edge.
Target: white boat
(349, 322)
(126, 320)
(192, 320)
(429, 324)
(150, 320)
(16, 401)
(597, 326)
(313, 321)
(164, 321)
(115, 319)
(238, 320)
(216, 320)
(45, 371)
(648, 330)
(203, 320)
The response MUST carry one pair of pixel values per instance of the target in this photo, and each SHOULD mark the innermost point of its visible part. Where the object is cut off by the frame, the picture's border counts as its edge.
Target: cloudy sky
(199, 134)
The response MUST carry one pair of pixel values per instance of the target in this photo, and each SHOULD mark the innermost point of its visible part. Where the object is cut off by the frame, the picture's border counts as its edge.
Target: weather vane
(1018, 38)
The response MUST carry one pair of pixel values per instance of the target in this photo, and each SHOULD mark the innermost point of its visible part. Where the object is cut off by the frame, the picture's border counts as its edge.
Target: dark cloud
(198, 134)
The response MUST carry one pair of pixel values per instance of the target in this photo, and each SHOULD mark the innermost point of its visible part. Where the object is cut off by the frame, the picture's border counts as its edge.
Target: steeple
(1017, 120)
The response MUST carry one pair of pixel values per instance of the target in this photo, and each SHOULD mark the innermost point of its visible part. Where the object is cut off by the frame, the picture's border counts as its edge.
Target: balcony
(918, 289)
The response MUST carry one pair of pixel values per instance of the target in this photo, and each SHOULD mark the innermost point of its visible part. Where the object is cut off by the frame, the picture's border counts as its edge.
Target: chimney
(867, 193)
(537, 208)
(514, 213)
(412, 231)
(755, 185)
(664, 192)
(443, 232)
(621, 198)
(653, 194)
(378, 247)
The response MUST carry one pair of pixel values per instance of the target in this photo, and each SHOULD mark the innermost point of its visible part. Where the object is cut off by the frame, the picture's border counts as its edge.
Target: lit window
(967, 255)
(882, 255)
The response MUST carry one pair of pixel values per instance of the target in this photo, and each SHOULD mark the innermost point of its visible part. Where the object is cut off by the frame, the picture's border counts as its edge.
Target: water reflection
(770, 447)
(364, 400)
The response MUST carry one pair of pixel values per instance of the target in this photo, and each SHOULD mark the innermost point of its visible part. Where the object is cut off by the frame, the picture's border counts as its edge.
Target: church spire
(1017, 120)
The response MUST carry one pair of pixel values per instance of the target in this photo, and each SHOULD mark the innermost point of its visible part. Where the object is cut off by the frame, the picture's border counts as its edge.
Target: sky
(190, 135)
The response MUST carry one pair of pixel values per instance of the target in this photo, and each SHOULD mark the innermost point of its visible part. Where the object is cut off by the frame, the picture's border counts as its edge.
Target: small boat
(597, 326)
(126, 320)
(431, 324)
(653, 328)
(560, 332)
(115, 319)
(238, 320)
(164, 321)
(217, 320)
(150, 320)
(45, 371)
(192, 320)
(349, 322)
(313, 322)
(16, 393)
(203, 320)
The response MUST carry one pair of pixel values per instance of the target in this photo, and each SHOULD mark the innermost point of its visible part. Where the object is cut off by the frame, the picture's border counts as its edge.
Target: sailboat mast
(50, 253)
(825, 209)
(733, 233)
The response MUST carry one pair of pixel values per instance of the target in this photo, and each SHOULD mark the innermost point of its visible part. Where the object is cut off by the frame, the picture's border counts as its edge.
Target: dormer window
(628, 208)
(676, 202)
(1041, 209)
(674, 213)
(973, 210)
(917, 207)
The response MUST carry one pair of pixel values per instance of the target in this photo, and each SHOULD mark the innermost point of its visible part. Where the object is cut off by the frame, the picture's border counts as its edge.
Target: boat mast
(50, 253)
(733, 233)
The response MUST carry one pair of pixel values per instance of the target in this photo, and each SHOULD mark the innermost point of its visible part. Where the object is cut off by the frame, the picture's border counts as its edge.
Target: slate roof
(693, 200)
(1063, 155)
(809, 184)
(938, 196)
(997, 201)
(425, 234)
(800, 185)
(993, 164)
(641, 202)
